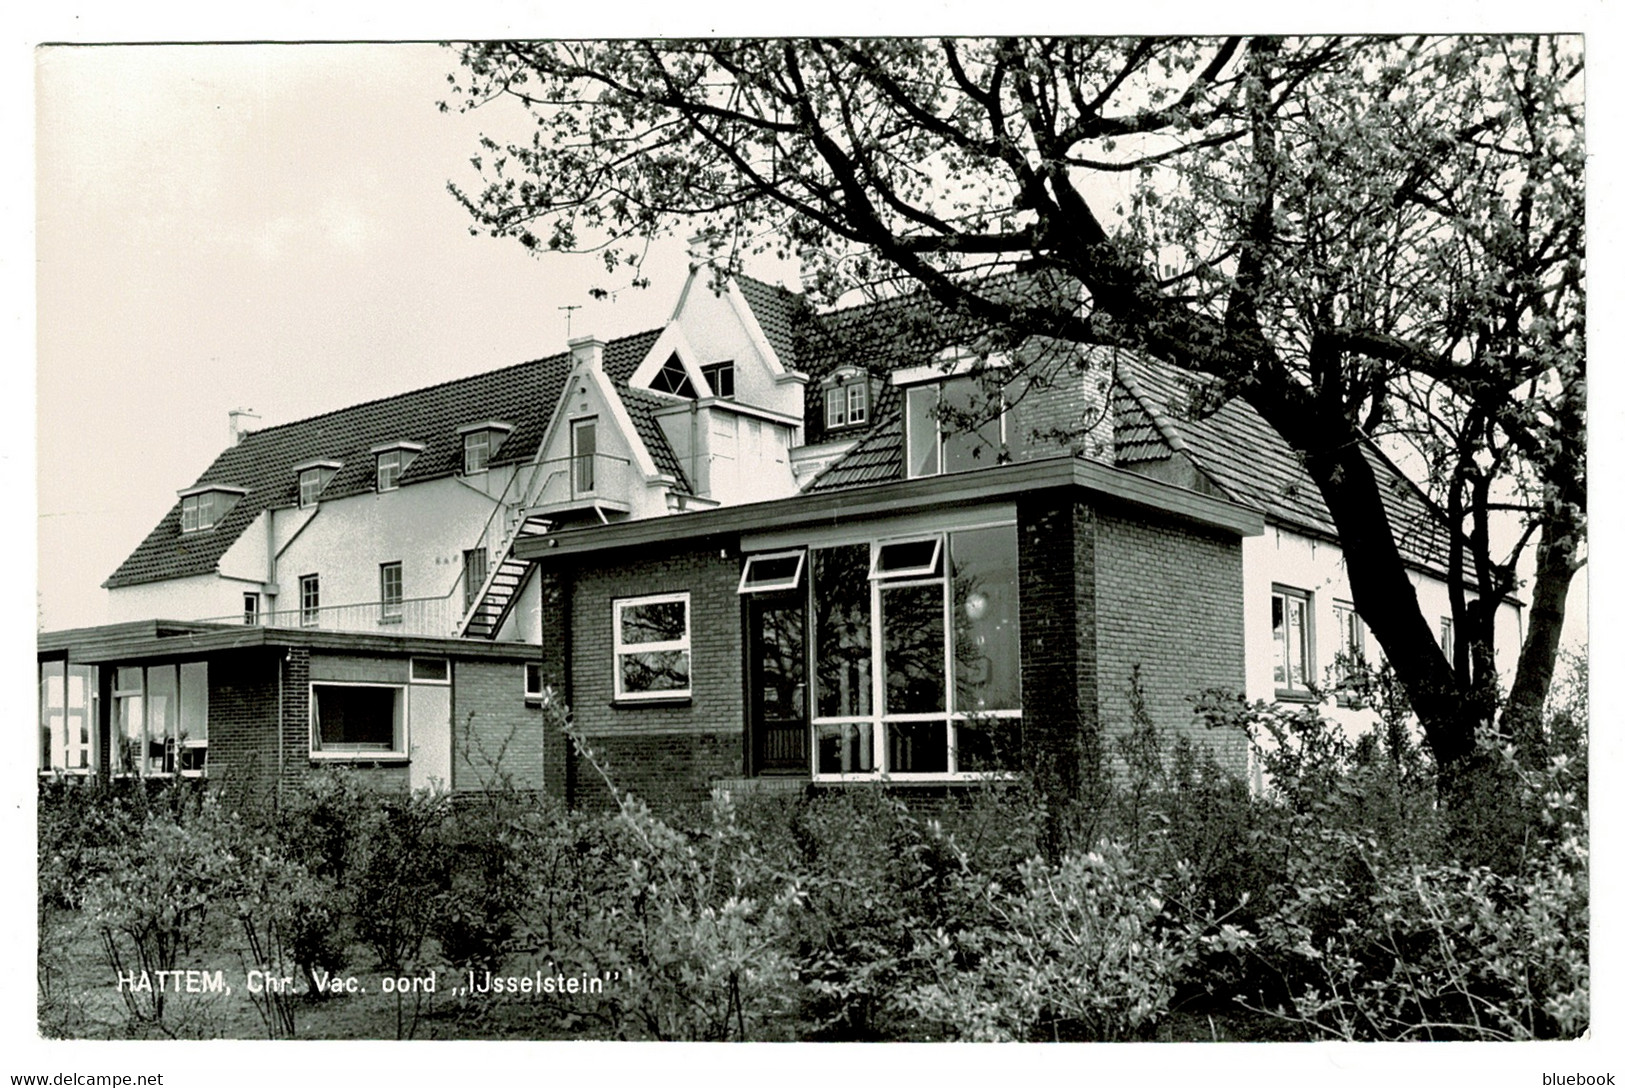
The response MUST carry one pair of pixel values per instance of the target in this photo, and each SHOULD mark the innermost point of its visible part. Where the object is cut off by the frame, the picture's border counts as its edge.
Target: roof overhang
(998, 483)
(160, 639)
(201, 489)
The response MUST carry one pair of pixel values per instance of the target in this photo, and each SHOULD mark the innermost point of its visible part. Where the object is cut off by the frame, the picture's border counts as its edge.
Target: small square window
(720, 377)
(431, 670)
(652, 656)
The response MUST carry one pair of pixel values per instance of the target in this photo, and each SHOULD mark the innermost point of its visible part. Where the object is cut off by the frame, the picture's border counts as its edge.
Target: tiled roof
(877, 457)
(642, 406)
(263, 461)
(777, 310)
(1252, 463)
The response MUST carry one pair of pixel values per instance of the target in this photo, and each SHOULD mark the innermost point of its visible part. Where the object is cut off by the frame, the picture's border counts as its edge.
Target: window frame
(172, 745)
(710, 371)
(1447, 638)
(384, 457)
(857, 402)
(55, 719)
(939, 448)
(310, 487)
(412, 676)
(251, 609)
(390, 607)
(880, 720)
(401, 728)
(473, 440)
(310, 600)
(1348, 620)
(218, 501)
(1295, 688)
(619, 648)
(933, 569)
(538, 693)
(746, 587)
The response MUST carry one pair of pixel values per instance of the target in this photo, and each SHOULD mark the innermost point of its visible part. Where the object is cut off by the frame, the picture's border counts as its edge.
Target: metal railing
(434, 617)
(583, 479)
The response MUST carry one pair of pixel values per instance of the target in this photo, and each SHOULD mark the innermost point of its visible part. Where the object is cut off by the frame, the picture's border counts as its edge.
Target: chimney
(238, 430)
(587, 351)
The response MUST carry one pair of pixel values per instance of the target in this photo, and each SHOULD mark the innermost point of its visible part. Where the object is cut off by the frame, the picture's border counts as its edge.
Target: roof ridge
(561, 356)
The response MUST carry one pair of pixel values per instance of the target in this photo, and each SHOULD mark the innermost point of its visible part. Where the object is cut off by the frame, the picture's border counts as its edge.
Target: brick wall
(1169, 601)
(1056, 563)
(1064, 389)
(242, 721)
(493, 729)
(666, 752)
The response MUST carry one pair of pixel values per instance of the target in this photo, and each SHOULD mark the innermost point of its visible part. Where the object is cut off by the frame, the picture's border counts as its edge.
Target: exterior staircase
(494, 599)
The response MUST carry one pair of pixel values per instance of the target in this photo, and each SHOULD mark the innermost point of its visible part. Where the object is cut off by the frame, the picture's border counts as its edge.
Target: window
(161, 719)
(583, 455)
(673, 378)
(1350, 639)
(67, 709)
(314, 476)
(1292, 627)
(476, 564)
(310, 600)
(535, 683)
(1447, 638)
(652, 647)
(389, 591)
(389, 470)
(349, 721)
(776, 571)
(916, 656)
(476, 451)
(206, 508)
(720, 377)
(939, 435)
(431, 670)
(846, 399)
(251, 609)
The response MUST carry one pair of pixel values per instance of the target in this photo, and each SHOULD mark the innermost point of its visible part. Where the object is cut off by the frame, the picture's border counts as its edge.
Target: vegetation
(1329, 906)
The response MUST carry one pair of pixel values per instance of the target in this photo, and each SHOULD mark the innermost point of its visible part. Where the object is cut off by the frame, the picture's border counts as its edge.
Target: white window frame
(362, 755)
(746, 586)
(935, 420)
(1295, 688)
(535, 694)
(390, 608)
(857, 403)
(476, 441)
(143, 695)
(310, 615)
(684, 644)
(879, 721)
(708, 370)
(388, 481)
(930, 570)
(310, 487)
(251, 609)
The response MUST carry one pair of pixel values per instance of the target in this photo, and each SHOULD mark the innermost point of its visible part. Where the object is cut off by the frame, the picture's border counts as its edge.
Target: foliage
(1357, 236)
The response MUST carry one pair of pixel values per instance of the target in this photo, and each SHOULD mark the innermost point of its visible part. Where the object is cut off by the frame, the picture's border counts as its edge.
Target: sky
(263, 227)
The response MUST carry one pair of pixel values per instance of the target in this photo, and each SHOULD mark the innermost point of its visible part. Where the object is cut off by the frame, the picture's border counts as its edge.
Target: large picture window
(161, 719)
(916, 656)
(938, 419)
(652, 655)
(67, 708)
(350, 721)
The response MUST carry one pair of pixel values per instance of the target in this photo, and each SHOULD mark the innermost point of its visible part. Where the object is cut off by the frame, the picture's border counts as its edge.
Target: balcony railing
(579, 482)
(432, 617)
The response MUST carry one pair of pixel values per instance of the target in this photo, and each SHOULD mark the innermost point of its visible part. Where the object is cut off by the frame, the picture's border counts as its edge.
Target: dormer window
(480, 441)
(673, 378)
(313, 477)
(393, 460)
(720, 377)
(205, 507)
(846, 398)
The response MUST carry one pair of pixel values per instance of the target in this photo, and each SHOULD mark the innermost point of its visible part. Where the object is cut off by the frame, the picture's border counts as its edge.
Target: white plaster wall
(1282, 557)
(748, 459)
(428, 732)
(205, 596)
(524, 622)
(623, 479)
(425, 527)
(716, 331)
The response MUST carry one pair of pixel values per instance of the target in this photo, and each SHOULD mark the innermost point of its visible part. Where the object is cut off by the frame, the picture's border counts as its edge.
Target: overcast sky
(265, 227)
